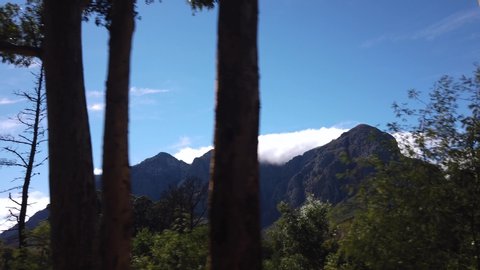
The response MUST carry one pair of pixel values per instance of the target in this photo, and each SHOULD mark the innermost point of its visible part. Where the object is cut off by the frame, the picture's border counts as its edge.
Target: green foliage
(405, 220)
(200, 4)
(424, 213)
(21, 25)
(171, 249)
(180, 208)
(36, 256)
(301, 238)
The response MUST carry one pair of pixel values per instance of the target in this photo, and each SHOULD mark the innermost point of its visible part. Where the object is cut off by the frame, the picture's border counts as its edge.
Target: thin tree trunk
(117, 208)
(72, 189)
(234, 196)
(31, 161)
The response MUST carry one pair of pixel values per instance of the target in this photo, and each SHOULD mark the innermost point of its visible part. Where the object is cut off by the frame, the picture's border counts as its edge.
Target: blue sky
(323, 64)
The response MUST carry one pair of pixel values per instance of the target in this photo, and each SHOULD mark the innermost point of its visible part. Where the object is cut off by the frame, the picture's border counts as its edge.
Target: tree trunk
(72, 189)
(234, 196)
(117, 209)
(38, 99)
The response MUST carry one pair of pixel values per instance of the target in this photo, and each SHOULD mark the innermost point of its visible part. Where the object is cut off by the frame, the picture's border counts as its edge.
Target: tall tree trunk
(72, 189)
(117, 209)
(38, 99)
(234, 196)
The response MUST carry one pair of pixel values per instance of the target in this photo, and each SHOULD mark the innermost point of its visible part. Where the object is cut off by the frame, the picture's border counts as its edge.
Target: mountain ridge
(325, 171)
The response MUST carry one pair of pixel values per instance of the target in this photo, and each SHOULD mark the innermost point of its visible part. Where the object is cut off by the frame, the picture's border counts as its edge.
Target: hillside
(331, 172)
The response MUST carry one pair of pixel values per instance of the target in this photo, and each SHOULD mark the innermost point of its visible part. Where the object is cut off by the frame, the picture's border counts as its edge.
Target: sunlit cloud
(7, 101)
(188, 154)
(139, 91)
(37, 201)
(281, 147)
(277, 148)
(447, 25)
(97, 171)
(96, 107)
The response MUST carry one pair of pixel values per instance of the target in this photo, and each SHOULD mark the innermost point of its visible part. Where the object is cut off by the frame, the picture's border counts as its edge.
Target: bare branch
(17, 154)
(8, 138)
(12, 214)
(10, 189)
(13, 200)
(26, 139)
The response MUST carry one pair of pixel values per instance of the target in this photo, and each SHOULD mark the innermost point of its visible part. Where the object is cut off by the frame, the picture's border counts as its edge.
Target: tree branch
(28, 51)
(17, 154)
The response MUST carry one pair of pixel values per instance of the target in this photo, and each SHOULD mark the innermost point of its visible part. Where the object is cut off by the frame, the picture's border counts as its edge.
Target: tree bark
(234, 187)
(72, 189)
(117, 208)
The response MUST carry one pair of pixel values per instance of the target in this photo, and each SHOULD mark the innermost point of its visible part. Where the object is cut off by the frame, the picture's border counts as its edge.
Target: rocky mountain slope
(331, 172)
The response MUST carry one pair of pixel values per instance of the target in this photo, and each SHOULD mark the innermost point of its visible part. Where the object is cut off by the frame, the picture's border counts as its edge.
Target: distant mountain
(331, 172)
(10, 236)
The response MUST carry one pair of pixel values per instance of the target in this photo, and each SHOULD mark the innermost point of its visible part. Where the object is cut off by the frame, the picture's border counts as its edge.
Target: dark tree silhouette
(234, 187)
(25, 147)
(117, 206)
(72, 190)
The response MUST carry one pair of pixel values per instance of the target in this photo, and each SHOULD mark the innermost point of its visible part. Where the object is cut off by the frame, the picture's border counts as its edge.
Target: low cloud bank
(188, 154)
(37, 200)
(277, 148)
(281, 147)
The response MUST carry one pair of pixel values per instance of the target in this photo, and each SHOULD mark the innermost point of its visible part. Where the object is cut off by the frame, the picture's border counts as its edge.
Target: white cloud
(281, 147)
(188, 154)
(8, 125)
(6, 101)
(96, 107)
(138, 91)
(95, 94)
(37, 200)
(277, 148)
(431, 32)
(97, 171)
(448, 24)
(183, 142)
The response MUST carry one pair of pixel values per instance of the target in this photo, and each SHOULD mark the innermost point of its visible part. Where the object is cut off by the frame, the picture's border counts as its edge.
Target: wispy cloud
(447, 25)
(95, 94)
(8, 125)
(37, 200)
(97, 107)
(277, 148)
(139, 91)
(183, 142)
(7, 101)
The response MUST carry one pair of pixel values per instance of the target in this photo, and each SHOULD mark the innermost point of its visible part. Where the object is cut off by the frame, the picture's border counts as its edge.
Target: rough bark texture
(72, 191)
(234, 196)
(117, 209)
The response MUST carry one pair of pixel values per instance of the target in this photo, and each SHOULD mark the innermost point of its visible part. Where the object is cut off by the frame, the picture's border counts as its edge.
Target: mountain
(10, 236)
(154, 175)
(331, 172)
